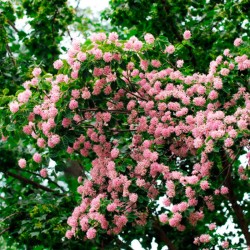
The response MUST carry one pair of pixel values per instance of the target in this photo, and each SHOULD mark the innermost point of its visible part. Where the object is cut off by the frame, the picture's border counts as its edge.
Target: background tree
(214, 24)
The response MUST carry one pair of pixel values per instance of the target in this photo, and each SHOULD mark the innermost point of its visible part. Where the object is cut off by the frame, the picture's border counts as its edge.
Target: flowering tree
(158, 144)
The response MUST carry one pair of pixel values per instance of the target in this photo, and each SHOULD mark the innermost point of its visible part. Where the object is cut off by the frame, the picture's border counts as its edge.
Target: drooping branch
(33, 183)
(163, 235)
(242, 222)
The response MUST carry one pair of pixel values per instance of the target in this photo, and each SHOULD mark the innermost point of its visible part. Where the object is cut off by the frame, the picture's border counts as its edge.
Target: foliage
(36, 204)
(214, 24)
(145, 129)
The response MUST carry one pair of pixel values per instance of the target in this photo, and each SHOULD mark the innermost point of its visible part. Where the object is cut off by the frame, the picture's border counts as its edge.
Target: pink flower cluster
(138, 125)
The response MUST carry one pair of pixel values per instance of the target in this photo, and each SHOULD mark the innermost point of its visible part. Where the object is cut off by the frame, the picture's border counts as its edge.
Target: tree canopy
(137, 135)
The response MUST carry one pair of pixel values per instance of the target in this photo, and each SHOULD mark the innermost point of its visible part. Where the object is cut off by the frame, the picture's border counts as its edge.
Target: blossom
(14, 106)
(58, 64)
(36, 72)
(115, 152)
(187, 35)
(149, 38)
(22, 163)
(73, 104)
(91, 233)
(237, 42)
(43, 173)
(37, 157)
(170, 49)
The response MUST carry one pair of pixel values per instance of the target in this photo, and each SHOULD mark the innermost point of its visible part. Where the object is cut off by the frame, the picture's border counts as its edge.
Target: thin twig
(12, 25)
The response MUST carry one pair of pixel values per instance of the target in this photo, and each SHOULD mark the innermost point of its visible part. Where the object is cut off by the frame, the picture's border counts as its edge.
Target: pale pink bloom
(69, 234)
(170, 49)
(226, 52)
(75, 93)
(66, 122)
(224, 71)
(36, 72)
(44, 172)
(187, 34)
(156, 63)
(41, 142)
(133, 197)
(113, 36)
(70, 150)
(204, 238)
(58, 64)
(107, 57)
(111, 207)
(81, 56)
(224, 190)
(228, 142)
(149, 38)
(74, 74)
(37, 157)
(225, 244)
(73, 104)
(86, 94)
(14, 107)
(114, 153)
(163, 218)
(204, 185)
(91, 233)
(137, 45)
(212, 226)
(179, 63)
(238, 42)
(22, 163)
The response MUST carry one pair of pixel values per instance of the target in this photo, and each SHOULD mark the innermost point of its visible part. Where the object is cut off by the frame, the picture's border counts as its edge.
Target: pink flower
(225, 244)
(14, 107)
(179, 63)
(238, 42)
(224, 71)
(22, 163)
(41, 142)
(133, 197)
(66, 122)
(58, 64)
(204, 185)
(107, 57)
(149, 38)
(36, 72)
(81, 56)
(187, 34)
(163, 218)
(204, 238)
(73, 104)
(170, 49)
(43, 173)
(137, 45)
(115, 153)
(111, 207)
(106, 117)
(37, 157)
(212, 226)
(224, 190)
(113, 36)
(69, 234)
(156, 63)
(91, 233)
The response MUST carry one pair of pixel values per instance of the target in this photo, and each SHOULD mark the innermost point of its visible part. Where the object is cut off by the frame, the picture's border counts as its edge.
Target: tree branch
(33, 183)
(163, 235)
(12, 25)
(242, 222)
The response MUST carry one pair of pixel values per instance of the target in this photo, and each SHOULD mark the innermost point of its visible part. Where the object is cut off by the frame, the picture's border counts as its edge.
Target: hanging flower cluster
(153, 129)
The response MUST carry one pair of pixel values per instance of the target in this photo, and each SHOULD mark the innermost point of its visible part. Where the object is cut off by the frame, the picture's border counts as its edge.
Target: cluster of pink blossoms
(167, 117)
